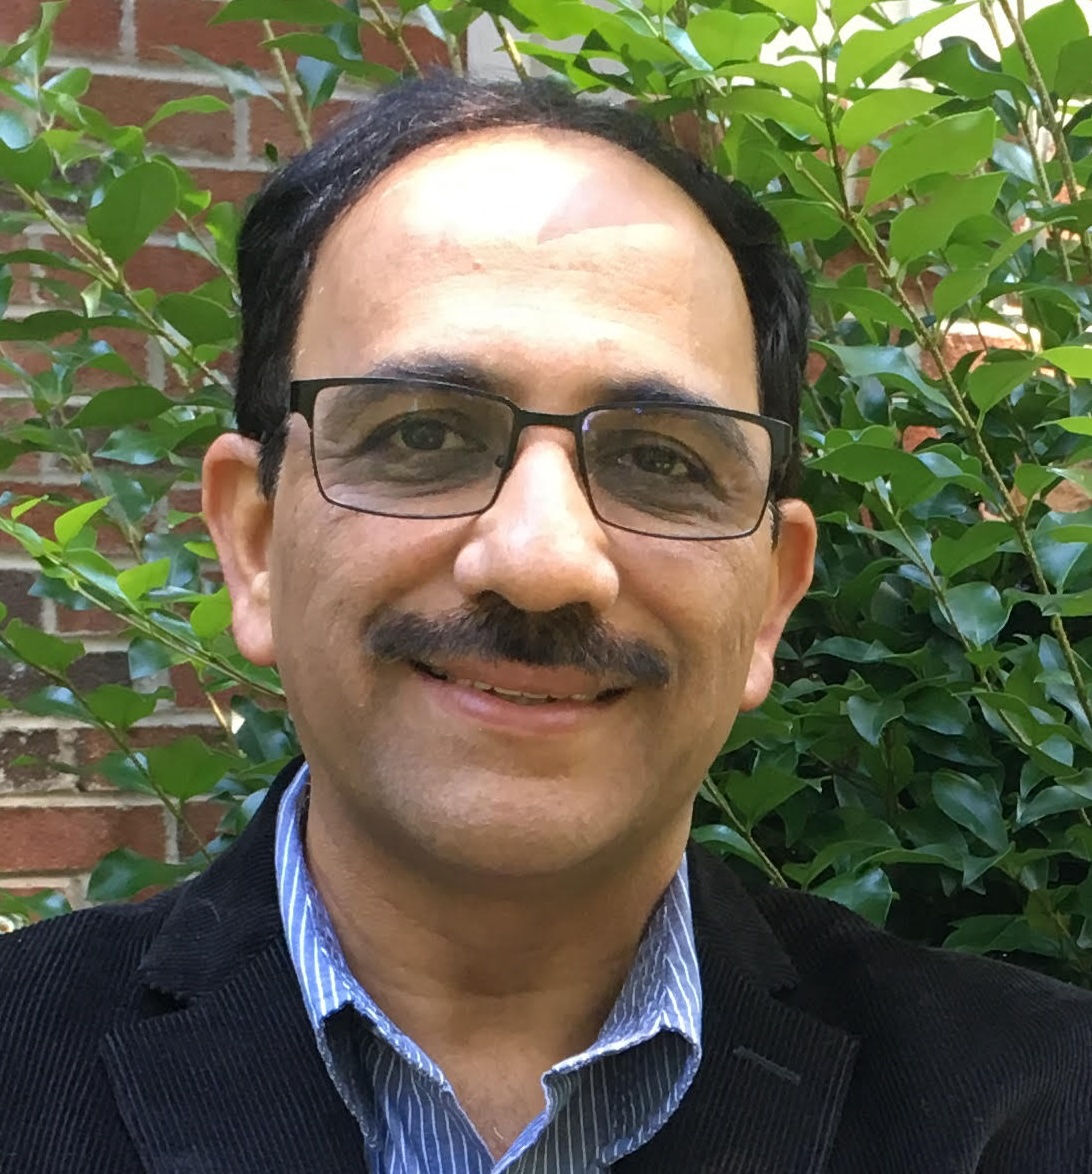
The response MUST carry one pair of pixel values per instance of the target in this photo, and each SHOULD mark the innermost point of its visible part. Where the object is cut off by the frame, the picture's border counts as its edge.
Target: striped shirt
(599, 1105)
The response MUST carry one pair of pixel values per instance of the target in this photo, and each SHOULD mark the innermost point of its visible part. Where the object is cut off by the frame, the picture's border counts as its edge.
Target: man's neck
(513, 964)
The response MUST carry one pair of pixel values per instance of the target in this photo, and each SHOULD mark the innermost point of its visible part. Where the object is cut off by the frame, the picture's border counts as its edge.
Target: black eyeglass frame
(304, 392)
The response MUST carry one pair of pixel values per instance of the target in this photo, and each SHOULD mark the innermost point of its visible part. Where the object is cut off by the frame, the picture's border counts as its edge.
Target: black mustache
(493, 630)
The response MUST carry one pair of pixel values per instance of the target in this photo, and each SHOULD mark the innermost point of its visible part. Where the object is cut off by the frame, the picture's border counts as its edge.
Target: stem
(393, 33)
(175, 807)
(514, 54)
(105, 270)
(295, 110)
(1069, 177)
(1046, 197)
(712, 793)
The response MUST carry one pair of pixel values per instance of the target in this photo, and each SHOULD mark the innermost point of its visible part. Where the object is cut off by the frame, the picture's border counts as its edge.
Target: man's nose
(540, 545)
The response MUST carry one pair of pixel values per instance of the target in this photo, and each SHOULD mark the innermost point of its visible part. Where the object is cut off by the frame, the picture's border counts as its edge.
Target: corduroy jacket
(170, 1037)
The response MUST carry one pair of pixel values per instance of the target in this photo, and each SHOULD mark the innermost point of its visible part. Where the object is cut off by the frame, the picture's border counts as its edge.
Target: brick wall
(54, 826)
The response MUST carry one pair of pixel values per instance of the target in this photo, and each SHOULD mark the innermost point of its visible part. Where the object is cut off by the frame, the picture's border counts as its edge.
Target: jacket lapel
(214, 1064)
(768, 1095)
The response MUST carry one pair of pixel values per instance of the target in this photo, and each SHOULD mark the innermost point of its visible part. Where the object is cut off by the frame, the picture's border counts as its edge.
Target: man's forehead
(529, 187)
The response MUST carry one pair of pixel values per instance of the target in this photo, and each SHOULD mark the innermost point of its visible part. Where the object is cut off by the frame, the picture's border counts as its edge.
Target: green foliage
(926, 754)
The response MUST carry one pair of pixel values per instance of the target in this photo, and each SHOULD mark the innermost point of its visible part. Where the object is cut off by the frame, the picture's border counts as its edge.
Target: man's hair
(299, 204)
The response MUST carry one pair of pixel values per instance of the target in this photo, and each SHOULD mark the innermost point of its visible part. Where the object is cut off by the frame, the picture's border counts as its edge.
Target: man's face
(555, 264)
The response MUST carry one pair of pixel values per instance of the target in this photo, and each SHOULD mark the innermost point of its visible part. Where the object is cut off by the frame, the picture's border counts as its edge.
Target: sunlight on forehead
(534, 190)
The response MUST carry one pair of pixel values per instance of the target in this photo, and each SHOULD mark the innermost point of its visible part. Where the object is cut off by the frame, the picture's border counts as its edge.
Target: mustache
(493, 630)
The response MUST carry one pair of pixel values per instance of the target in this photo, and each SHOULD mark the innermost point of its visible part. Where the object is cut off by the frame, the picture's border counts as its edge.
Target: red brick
(233, 186)
(48, 839)
(133, 101)
(15, 594)
(270, 125)
(163, 24)
(35, 743)
(86, 26)
(203, 817)
(167, 269)
(93, 621)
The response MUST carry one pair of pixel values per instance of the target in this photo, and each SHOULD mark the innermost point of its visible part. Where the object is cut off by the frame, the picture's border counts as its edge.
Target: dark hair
(299, 204)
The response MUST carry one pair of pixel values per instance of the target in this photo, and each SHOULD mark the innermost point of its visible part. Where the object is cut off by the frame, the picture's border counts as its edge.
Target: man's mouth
(516, 696)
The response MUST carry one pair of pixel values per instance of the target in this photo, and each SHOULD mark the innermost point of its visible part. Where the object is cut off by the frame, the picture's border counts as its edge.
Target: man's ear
(240, 520)
(790, 577)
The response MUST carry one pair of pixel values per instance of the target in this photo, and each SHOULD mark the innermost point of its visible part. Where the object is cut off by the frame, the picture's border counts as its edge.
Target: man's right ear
(240, 520)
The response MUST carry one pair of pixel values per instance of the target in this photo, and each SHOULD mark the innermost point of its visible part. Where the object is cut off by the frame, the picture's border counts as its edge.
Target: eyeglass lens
(436, 452)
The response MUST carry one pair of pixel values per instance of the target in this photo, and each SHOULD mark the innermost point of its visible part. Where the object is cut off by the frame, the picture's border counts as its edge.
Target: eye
(421, 433)
(660, 460)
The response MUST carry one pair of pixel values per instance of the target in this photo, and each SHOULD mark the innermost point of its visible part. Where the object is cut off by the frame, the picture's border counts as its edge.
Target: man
(508, 509)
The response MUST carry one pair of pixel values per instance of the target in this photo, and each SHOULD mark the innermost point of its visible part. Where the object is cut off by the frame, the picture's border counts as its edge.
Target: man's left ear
(790, 577)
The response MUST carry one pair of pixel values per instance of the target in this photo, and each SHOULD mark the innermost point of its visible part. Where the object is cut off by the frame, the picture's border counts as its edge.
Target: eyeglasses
(408, 448)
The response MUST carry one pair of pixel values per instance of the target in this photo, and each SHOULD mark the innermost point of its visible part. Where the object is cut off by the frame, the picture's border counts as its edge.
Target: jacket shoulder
(72, 971)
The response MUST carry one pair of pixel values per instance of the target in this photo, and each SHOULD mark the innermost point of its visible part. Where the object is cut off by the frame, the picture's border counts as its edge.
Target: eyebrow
(645, 389)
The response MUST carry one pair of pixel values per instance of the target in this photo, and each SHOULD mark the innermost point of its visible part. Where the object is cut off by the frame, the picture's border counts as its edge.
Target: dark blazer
(170, 1038)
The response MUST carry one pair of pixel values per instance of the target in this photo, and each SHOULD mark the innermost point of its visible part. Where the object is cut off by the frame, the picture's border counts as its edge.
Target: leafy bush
(926, 755)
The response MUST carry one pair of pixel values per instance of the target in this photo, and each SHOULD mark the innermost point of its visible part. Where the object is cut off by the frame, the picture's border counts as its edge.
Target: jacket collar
(215, 1069)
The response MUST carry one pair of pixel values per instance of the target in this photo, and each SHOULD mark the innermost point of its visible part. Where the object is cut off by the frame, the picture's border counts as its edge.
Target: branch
(1051, 115)
(514, 54)
(299, 119)
(393, 33)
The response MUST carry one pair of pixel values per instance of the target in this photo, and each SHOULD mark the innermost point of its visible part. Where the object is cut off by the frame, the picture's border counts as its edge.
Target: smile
(517, 696)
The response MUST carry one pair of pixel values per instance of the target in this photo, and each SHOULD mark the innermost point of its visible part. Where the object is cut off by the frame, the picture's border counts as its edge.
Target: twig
(514, 54)
(1069, 177)
(393, 33)
(295, 110)
(712, 793)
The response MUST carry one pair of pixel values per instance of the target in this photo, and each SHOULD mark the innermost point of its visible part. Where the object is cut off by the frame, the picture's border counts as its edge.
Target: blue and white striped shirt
(600, 1105)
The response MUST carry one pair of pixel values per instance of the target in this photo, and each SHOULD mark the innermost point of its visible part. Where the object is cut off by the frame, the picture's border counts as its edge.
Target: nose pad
(540, 544)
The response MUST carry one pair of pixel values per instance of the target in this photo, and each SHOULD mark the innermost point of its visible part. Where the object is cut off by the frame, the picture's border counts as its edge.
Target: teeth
(524, 698)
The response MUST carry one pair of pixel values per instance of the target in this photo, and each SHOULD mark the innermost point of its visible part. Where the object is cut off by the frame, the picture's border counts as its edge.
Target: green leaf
(148, 657)
(956, 289)
(962, 68)
(28, 166)
(880, 110)
(188, 767)
(728, 842)
(989, 383)
(805, 220)
(72, 521)
(120, 875)
(324, 48)
(927, 227)
(801, 12)
(954, 145)
(121, 405)
(1081, 425)
(760, 791)
(137, 581)
(995, 932)
(120, 706)
(872, 50)
(40, 649)
(212, 615)
(939, 710)
(843, 11)
(198, 104)
(868, 893)
(720, 35)
(133, 206)
(974, 544)
(869, 716)
(1073, 360)
(198, 318)
(973, 805)
(978, 611)
(1074, 72)
(1048, 32)
(889, 364)
(1073, 796)
(289, 11)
